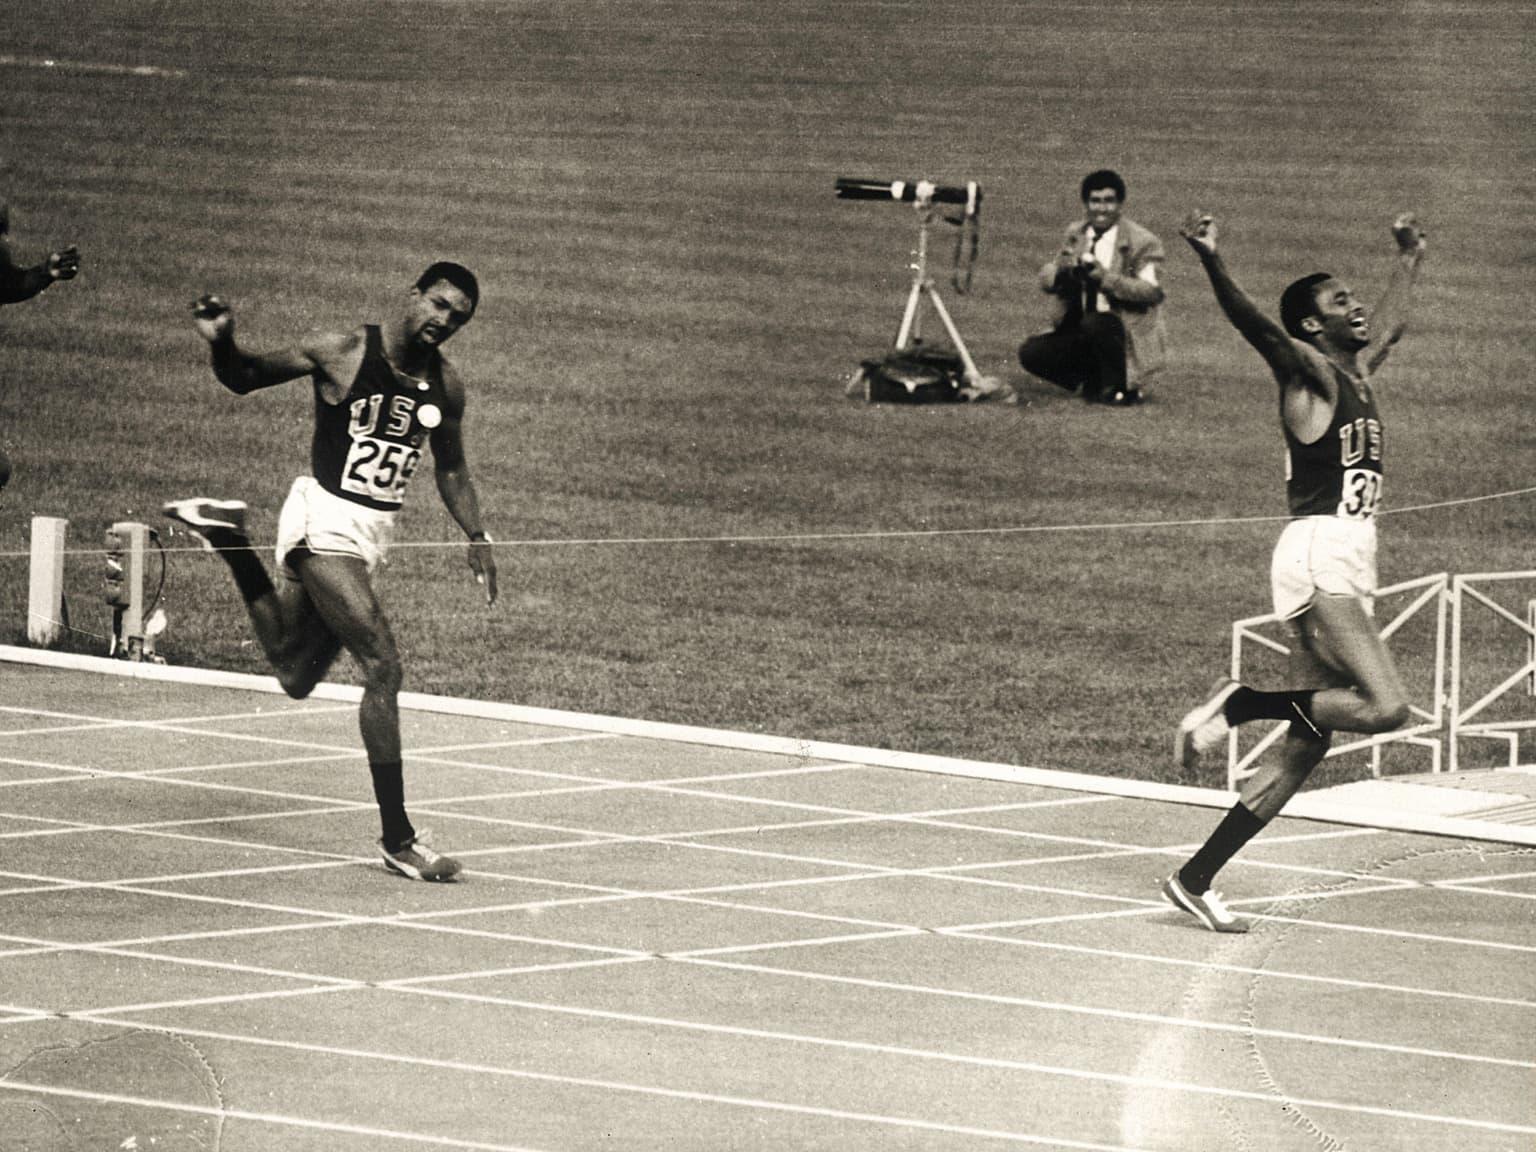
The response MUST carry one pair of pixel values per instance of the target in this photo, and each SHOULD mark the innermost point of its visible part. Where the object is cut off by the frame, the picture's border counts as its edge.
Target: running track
(667, 945)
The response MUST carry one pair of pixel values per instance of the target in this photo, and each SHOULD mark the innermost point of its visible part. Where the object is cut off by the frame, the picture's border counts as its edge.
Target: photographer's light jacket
(1130, 289)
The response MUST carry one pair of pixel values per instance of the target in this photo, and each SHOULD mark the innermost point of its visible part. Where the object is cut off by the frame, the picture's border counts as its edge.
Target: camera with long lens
(920, 192)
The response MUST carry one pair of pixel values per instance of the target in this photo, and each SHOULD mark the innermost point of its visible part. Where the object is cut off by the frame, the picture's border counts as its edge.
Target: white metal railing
(1472, 590)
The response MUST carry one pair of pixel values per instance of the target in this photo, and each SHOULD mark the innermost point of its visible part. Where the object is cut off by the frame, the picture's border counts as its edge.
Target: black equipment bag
(914, 376)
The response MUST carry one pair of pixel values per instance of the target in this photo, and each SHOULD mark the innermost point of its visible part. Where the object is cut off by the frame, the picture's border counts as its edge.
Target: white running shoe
(1206, 726)
(219, 522)
(417, 861)
(1207, 907)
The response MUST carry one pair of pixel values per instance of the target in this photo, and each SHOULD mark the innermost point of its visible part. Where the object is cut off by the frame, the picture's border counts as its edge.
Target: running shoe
(1206, 907)
(1206, 726)
(416, 860)
(221, 523)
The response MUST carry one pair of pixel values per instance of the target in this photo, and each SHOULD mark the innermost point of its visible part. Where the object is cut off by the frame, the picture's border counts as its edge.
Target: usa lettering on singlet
(1340, 473)
(367, 447)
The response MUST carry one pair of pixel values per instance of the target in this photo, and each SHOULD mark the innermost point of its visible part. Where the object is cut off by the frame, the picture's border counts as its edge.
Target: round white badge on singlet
(430, 415)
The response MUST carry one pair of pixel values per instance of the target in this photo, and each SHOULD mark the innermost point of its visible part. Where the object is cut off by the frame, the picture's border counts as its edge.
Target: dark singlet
(1340, 473)
(367, 447)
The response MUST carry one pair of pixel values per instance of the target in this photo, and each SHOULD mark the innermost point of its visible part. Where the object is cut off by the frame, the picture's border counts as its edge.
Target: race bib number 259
(379, 469)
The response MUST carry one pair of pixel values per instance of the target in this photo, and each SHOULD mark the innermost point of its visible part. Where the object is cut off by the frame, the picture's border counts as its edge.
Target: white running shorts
(330, 526)
(1323, 555)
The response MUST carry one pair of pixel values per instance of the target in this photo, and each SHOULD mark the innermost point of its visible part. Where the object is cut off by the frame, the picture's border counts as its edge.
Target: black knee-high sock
(1236, 828)
(1250, 704)
(389, 791)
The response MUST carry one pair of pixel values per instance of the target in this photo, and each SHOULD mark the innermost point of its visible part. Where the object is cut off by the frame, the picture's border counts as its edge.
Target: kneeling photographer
(1107, 337)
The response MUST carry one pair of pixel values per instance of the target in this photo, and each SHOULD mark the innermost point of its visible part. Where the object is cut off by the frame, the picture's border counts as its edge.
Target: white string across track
(876, 534)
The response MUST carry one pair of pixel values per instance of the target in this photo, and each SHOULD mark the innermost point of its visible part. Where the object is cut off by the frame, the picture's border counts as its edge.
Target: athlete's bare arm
(18, 283)
(1307, 391)
(326, 356)
(454, 484)
(1390, 320)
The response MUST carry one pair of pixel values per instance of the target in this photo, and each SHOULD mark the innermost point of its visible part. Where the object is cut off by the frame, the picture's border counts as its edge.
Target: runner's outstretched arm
(1267, 337)
(18, 283)
(240, 371)
(1390, 320)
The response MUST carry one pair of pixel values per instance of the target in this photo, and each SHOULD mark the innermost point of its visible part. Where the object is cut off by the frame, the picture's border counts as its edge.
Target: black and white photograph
(698, 576)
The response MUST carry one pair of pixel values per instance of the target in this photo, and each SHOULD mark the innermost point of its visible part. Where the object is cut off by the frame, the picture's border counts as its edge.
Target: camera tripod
(910, 332)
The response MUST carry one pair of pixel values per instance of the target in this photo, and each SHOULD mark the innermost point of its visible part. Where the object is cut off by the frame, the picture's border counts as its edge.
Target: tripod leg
(972, 375)
(909, 322)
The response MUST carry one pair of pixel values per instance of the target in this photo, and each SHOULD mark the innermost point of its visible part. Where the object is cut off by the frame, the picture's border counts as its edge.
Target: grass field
(672, 298)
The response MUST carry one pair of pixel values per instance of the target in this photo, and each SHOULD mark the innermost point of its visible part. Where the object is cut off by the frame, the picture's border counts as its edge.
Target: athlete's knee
(299, 677)
(383, 672)
(1383, 713)
(296, 687)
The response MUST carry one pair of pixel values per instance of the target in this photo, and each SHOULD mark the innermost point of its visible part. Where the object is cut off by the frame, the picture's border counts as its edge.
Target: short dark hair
(1298, 301)
(456, 274)
(1103, 178)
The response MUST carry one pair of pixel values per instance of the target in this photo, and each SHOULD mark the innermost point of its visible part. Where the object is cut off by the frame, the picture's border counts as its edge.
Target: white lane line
(1496, 877)
(812, 769)
(63, 828)
(356, 754)
(838, 814)
(1485, 890)
(37, 947)
(169, 775)
(53, 766)
(548, 1078)
(15, 1014)
(1237, 969)
(225, 1113)
(1395, 933)
(517, 970)
(1304, 837)
(786, 945)
(81, 723)
(108, 1012)
(703, 956)
(139, 947)
(992, 1062)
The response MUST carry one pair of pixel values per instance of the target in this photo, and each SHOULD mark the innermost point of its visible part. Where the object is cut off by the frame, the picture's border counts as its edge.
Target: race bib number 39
(379, 469)
(1361, 494)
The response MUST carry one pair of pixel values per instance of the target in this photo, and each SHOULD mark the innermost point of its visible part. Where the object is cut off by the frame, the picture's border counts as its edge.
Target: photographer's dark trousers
(1087, 354)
